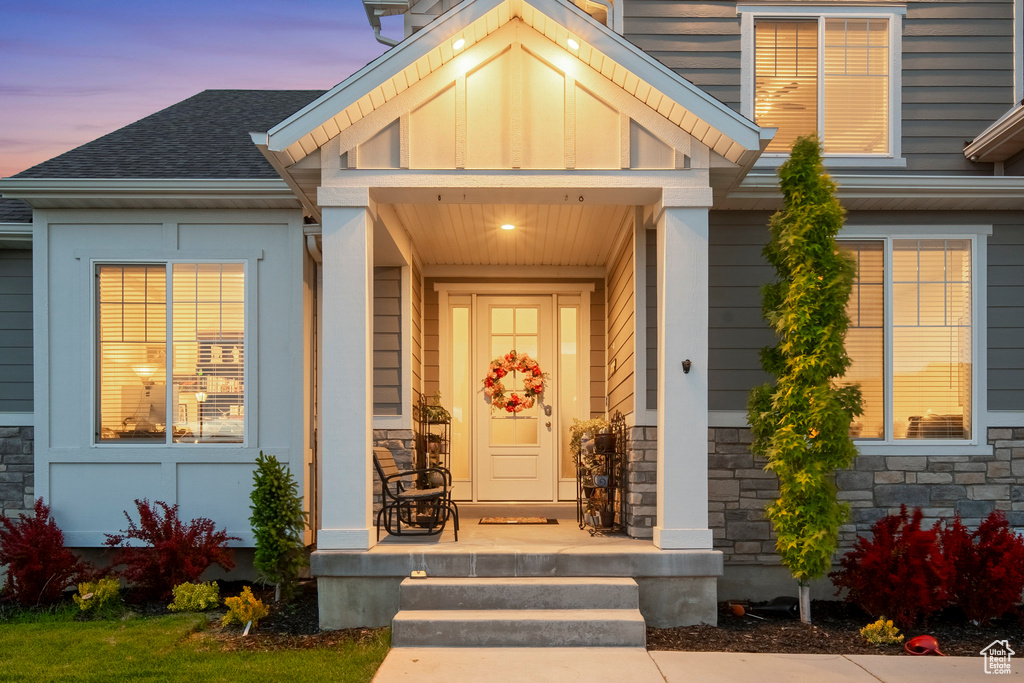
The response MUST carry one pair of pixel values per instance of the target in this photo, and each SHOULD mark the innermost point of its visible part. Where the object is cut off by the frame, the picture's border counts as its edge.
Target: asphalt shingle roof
(205, 136)
(15, 211)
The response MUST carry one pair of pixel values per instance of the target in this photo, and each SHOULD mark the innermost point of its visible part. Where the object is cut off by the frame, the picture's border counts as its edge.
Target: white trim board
(17, 419)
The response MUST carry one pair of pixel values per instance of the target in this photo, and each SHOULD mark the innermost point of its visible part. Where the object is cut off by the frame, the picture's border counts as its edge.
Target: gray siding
(736, 330)
(957, 75)
(15, 330)
(1006, 318)
(387, 340)
(621, 331)
(652, 319)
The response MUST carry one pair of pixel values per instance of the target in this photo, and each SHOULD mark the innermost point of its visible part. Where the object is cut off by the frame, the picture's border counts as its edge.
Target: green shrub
(243, 609)
(195, 597)
(277, 523)
(99, 597)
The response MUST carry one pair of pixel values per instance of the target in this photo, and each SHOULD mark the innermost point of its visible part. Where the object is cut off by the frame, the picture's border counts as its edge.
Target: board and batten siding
(621, 331)
(387, 340)
(431, 339)
(15, 330)
(957, 67)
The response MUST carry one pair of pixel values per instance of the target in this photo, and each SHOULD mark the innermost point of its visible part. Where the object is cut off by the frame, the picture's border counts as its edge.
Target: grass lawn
(169, 648)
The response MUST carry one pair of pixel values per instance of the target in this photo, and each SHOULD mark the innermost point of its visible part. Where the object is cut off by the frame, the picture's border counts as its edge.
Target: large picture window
(199, 397)
(824, 75)
(911, 339)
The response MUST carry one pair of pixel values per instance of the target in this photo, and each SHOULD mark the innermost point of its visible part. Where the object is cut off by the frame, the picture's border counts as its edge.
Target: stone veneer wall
(943, 486)
(641, 481)
(739, 489)
(17, 478)
(401, 443)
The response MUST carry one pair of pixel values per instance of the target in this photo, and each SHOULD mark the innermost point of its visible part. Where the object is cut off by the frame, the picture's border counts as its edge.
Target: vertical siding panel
(416, 329)
(652, 319)
(1006, 317)
(16, 330)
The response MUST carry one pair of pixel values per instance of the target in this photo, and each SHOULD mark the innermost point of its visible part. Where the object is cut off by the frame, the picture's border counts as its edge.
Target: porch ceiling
(570, 234)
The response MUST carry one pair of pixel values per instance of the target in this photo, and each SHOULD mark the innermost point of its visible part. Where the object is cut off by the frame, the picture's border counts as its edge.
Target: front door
(515, 451)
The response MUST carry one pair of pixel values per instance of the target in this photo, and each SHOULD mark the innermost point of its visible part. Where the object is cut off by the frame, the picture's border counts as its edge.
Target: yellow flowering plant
(882, 632)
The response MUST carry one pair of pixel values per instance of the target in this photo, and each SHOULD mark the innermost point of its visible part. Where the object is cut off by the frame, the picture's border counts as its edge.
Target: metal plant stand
(600, 491)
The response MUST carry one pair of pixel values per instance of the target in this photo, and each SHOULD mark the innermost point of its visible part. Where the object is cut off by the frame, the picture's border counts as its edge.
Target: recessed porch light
(508, 226)
(573, 44)
(459, 44)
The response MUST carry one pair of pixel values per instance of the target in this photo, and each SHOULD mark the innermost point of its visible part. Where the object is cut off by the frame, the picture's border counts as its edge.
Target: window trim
(249, 401)
(893, 13)
(978, 236)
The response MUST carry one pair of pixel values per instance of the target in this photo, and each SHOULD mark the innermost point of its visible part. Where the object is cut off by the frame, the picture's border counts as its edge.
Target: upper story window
(911, 338)
(832, 72)
(199, 397)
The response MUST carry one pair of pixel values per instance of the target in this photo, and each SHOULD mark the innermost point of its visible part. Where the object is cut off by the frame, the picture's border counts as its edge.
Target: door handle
(548, 424)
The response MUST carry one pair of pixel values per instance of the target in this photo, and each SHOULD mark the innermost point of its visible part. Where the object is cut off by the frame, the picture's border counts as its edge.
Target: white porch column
(682, 397)
(346, 406)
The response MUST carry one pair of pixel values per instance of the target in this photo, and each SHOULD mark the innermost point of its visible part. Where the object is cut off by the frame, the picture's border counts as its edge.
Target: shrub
(174, 552)
(243, 609)
(39, 567)
(900, 572)
(986, 568)
(195, 597)
(277, 523)
(101, 597)
(801, 421)
(882, 632)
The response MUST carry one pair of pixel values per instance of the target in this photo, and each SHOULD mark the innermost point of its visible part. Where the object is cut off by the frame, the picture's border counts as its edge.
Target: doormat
(518, 520)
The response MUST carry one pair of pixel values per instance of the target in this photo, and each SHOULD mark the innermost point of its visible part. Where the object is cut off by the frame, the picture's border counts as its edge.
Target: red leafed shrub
(986, 568)
(899, 573)
(39, 567)
(173, 553)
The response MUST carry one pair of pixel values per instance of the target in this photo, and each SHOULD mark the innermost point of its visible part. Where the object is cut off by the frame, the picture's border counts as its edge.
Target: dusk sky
(73, 70)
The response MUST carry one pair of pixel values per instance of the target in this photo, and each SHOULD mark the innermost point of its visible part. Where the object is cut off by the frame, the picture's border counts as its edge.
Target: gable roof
(204, 136)
(710, 121)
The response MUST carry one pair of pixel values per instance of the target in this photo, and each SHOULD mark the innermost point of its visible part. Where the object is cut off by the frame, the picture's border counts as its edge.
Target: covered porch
(526, 113)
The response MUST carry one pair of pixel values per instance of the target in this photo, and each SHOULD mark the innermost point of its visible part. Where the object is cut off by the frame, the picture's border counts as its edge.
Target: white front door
(515, 451)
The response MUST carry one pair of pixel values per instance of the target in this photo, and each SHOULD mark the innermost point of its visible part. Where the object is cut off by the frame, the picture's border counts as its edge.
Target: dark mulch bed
(835, 630)
(291, 625)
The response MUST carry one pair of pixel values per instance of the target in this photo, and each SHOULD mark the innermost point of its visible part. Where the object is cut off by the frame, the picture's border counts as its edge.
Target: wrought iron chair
(409, 498)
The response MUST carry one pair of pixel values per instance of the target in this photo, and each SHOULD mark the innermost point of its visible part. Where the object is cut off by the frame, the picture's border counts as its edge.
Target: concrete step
(511, 593)
(519, 628)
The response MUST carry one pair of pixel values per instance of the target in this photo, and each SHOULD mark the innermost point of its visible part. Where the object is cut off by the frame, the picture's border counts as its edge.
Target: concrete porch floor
(677, 587)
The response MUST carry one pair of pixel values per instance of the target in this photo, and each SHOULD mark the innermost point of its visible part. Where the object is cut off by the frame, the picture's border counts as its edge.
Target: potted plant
(586, 457)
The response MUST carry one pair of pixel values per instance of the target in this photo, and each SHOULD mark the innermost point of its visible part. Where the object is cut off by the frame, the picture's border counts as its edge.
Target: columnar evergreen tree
(278, 522)
(801, 423)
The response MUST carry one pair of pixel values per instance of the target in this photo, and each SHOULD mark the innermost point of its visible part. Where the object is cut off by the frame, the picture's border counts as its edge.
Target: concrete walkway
(636, 665)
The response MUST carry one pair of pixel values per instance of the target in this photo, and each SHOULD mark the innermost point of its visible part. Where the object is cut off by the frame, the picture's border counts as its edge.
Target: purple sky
(71, 71)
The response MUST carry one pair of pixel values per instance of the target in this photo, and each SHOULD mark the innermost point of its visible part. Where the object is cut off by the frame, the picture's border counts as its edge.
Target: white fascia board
(762, 185)
(15, 231)
(40, 188)
(716, 114)
(989, 145)
(387, 65)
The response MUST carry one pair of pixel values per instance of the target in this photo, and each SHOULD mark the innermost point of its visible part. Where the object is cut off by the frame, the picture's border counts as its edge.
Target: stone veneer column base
(17, 471)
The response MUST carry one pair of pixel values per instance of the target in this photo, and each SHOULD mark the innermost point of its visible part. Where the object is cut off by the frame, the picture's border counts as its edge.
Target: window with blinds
(202, 394)
(865, 338)
(826, 76)
(925, 390)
